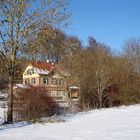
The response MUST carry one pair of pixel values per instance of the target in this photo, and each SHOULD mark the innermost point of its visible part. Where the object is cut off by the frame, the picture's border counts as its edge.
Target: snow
(74, 87)
(1, 112)
(21, 86)
(1, 116)
(3, 95)
(41, 71)
(106, 124)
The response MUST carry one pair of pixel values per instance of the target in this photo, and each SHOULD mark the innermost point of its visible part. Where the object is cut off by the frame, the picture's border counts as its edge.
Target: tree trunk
(10, 98)
(100, 102)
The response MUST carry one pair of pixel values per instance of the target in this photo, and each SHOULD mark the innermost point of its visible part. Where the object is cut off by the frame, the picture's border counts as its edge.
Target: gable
(57, 75)
(30, 72)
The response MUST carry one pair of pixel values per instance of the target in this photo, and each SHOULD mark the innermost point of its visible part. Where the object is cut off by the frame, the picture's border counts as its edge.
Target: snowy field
(107, 124)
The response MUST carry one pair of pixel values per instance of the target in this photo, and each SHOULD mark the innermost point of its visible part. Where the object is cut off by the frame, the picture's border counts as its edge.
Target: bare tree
(53, 44)
(102, 71)
(19, 20)
(131, 50)
(130, 70)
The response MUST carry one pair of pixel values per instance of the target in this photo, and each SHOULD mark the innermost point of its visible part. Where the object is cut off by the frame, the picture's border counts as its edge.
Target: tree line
(106, 79)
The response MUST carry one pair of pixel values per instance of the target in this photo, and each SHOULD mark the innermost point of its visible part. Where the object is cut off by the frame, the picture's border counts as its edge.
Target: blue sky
(108, 21)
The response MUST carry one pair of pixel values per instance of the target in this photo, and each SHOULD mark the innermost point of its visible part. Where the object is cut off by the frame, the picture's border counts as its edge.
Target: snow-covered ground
(106, 124)
(1, 113)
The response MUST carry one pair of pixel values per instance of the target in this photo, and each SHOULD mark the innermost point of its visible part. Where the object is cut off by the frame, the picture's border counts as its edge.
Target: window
(60, 82)
(60, 93)
(46, 81)
(33, 80)
(54, 94)
(30, 72)
(26, 81)
(54, 81)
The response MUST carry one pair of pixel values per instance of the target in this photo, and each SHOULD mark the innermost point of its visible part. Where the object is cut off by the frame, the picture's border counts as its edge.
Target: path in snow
(106, 124)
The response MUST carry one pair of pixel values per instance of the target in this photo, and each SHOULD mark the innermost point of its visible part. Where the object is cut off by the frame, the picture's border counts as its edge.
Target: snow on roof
(74, 87)
(41, 71)
(64, 73)
(63, 104)
(42, 67)
(21, 86)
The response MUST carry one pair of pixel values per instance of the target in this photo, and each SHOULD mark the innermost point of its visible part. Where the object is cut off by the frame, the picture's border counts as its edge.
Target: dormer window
(30, 72)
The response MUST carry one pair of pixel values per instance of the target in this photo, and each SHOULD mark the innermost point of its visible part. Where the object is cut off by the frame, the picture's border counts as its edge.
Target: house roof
(43, 65)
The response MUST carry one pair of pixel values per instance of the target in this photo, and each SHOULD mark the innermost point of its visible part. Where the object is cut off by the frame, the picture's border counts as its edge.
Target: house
(48, 75)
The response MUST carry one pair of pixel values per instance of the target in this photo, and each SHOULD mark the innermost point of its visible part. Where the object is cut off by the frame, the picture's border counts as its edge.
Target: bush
(33, 103)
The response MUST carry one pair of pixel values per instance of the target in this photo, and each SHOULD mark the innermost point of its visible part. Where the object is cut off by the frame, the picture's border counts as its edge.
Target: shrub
(33, 103)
